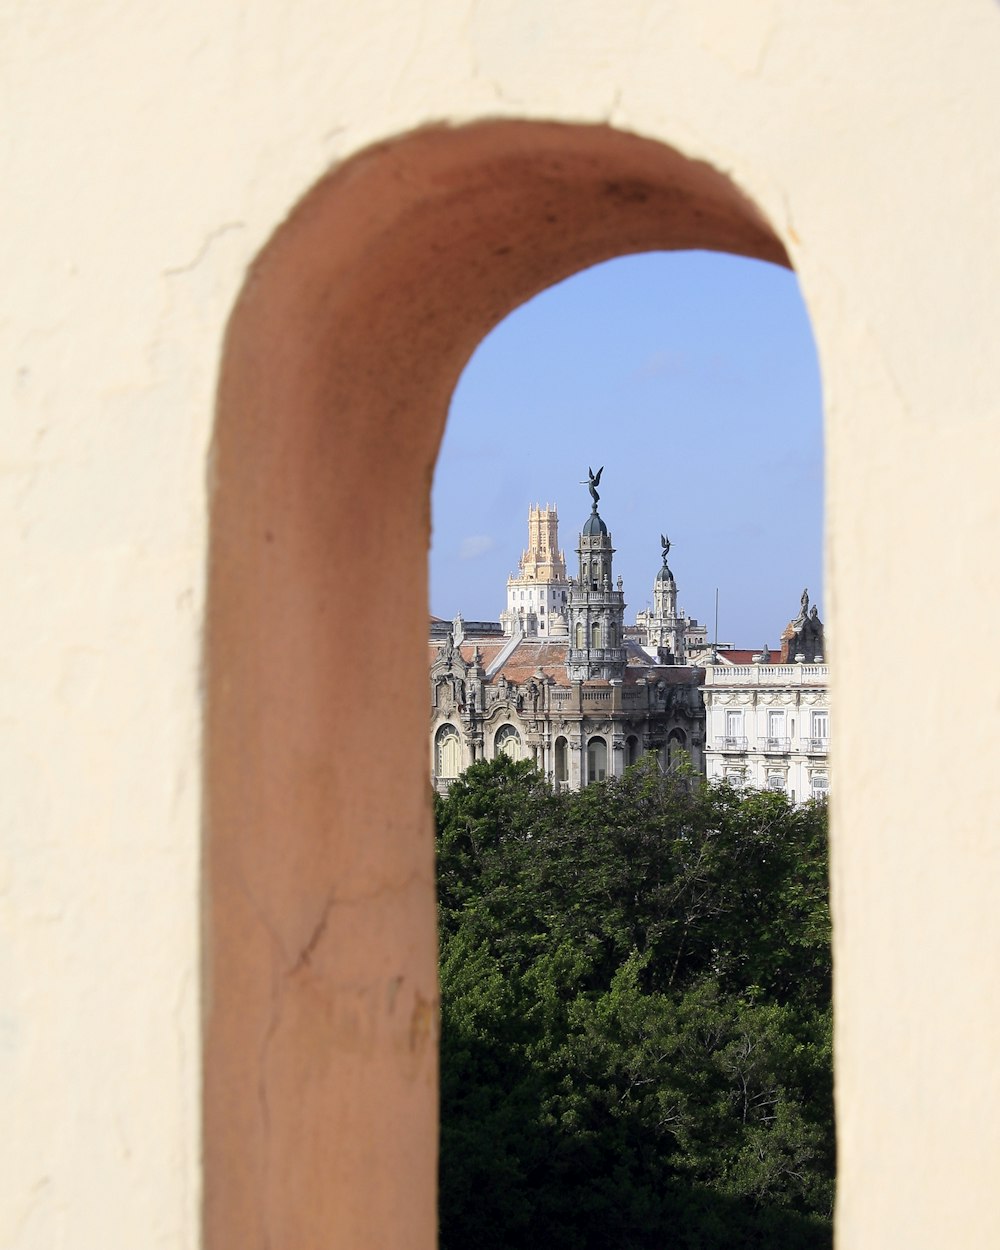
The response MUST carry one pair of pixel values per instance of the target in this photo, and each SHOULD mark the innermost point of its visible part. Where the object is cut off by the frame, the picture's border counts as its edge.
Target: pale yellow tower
(537, 595)
(543, 561)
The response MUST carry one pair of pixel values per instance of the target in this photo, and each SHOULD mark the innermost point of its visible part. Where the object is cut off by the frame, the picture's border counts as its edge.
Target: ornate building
(579, 698)
(560, 680)
(768, 721)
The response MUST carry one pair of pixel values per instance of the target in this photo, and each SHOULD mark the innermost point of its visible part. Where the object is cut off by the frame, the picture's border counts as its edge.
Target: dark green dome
(594, 526)
(664, 575)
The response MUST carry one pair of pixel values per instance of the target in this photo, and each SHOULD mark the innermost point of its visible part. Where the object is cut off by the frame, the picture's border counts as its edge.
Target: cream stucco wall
(149, 153)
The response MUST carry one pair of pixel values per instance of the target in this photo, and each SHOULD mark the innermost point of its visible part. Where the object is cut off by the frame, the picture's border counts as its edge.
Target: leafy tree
(635, 1014)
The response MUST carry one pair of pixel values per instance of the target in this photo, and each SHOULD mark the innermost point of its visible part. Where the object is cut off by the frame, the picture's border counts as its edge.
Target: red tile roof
(534, 653)
(549, 655)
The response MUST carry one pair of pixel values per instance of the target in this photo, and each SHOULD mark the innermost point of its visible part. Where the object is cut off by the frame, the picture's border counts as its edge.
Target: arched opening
(339, 363)
(597, 760)
(595, 635)
(561, 761)
(507, 742)
(631, 750)
(448, 752)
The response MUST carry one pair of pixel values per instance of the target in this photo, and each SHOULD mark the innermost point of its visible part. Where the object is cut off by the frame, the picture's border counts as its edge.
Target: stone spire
(596, 607)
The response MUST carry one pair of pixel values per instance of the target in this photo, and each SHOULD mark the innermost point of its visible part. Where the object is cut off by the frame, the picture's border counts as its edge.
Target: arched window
(595, 635)
(447, 752)
(612, 636)
(262, 799)
(561, 762)
(631, 750)
(580, 636)
(676, 743)
(507, 742)
(597, 760)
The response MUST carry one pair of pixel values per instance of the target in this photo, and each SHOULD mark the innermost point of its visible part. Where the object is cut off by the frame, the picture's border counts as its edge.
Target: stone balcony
(766, 675)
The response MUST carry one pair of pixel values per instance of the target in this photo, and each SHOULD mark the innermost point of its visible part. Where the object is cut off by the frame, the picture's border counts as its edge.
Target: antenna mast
(715, 644)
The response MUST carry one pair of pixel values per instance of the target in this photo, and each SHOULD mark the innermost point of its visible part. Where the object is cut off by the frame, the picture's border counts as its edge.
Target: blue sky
(692, 377)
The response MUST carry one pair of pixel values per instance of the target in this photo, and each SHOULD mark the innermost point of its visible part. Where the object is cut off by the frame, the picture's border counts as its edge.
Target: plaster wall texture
(150, 153)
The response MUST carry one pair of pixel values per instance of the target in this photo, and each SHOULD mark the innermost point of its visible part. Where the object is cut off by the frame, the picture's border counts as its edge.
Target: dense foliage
(635, 1015)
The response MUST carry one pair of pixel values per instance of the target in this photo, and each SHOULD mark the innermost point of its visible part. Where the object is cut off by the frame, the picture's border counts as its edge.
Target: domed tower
(664, 627)
(596, 607)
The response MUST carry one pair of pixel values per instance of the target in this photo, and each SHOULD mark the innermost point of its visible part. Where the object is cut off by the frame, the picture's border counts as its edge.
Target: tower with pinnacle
(665, 627)
(536, 597)
(596, 607)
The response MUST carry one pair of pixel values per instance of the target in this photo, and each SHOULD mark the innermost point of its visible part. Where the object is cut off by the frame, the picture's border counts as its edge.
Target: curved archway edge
(320, 1096)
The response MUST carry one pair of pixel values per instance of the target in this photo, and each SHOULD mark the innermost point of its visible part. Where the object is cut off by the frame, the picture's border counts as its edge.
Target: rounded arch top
(428, 240)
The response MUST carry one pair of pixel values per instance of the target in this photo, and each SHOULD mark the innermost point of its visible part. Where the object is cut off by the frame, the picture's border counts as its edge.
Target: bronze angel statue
(592, 485)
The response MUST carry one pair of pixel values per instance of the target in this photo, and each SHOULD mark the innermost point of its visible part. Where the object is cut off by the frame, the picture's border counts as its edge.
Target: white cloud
(476, 545)
(663, 363)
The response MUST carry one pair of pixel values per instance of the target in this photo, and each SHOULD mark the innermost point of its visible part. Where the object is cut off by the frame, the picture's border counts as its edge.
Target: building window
(597, 760)
(676, 743)
(776, 781)
(507, 742)
(561, 762)
(631, 750)
(734, 738)
(819, 725)
(595, 635)
(579, 636)
(447, 752)
(612, 636)
(819, 785)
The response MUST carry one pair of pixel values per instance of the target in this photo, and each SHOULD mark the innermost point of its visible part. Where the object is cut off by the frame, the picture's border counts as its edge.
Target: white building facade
(768, 726)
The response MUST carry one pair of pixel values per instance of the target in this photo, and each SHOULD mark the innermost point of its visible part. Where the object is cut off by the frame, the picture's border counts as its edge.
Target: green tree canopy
(635, 1014)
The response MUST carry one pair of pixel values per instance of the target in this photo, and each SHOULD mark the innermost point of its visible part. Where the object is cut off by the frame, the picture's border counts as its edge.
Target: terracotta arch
(320, 1094)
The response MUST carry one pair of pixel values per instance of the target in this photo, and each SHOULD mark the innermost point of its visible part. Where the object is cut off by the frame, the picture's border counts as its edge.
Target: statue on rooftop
(665, 544)
(593, 483)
